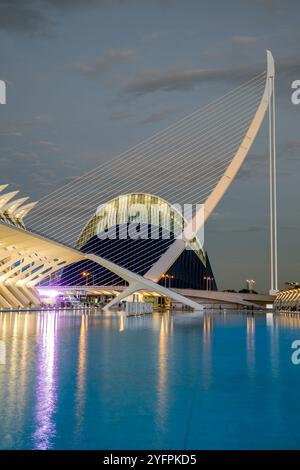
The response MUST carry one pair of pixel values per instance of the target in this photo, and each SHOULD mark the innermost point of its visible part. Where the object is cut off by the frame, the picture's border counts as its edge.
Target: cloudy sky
(86, 79)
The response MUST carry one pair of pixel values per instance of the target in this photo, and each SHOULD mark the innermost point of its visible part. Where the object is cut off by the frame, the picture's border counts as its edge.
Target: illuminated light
(49, 293)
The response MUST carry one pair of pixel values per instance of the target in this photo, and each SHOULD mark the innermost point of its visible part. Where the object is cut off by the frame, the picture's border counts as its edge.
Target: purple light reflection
(46, 389)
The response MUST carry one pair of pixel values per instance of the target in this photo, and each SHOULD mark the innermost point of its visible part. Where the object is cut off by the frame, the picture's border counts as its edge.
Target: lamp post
(208, 280)
(85, 274)
(170, 279)
(250, 283)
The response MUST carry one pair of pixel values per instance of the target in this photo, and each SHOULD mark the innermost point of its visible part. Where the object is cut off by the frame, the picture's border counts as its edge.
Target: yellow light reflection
(122, 323)
(162, 371)
(14, 329)
(81, 372)
(206, 362)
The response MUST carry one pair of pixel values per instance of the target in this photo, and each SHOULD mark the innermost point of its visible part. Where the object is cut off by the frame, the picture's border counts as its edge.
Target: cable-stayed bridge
(193, 161)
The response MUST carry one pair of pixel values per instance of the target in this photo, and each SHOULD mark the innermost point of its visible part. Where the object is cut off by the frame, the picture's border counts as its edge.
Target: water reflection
(121, 375)
(14, 330)
(122, 323)
(250, 328)
(46, 388)
(166, 326)
(81, 371)
(289, 321)
(206, 361)
(273, 334)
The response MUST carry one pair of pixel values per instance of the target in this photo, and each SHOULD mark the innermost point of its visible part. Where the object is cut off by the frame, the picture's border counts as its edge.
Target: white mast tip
(270, 64)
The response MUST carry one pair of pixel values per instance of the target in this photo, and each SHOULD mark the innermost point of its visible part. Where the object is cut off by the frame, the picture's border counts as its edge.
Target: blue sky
(87, 79)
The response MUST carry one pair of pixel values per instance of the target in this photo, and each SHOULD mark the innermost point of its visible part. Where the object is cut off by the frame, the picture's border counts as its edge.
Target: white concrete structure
(27, 258)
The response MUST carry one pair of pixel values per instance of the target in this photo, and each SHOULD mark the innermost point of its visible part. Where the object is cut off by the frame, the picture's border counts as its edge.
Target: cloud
(156, 117)
(184, 79)
(49, 145)
(152, 36)
(121, 115)
(37, 16)
(105, 62)
(169, 34)
(244, 40)
(19, 128)
(22, 16)
(179, 78)
(276, 6)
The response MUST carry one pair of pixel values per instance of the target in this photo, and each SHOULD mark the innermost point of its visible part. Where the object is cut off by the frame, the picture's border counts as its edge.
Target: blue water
(96, 381)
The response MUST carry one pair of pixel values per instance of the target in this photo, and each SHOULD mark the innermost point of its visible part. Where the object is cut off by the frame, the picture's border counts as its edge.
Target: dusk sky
(86, 79)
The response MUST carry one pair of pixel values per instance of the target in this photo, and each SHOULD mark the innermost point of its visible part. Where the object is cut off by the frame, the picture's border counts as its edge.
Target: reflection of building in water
(251, 343)
(207, 329)
(15, 331)
(289, 321)
(122, 323)
(273, 334)
(166, 330)
(206, 342)
(81, 372)
(289, 299)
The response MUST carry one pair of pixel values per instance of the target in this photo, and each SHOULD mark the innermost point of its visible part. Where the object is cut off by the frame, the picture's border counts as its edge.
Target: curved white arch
(170, 256)
(217, 194)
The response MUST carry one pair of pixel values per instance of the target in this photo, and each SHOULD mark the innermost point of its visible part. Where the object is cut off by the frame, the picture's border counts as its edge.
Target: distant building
(288, 299)
(191, 270)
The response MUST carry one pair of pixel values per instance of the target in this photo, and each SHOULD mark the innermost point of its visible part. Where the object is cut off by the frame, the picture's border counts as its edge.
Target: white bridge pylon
(179, 245)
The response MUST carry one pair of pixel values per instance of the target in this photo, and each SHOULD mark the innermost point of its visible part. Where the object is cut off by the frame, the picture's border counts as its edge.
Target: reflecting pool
(164, 381)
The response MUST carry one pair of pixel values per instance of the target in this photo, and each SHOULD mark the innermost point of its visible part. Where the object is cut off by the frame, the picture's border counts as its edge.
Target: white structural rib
(13, 205)
(3, 186)
(5, 198)
(22, 211)
(174, 251)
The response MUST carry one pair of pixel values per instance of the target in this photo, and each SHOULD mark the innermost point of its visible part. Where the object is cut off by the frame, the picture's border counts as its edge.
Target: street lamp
(208, 280)
(250, 283)
(85, 274)
(170, 278)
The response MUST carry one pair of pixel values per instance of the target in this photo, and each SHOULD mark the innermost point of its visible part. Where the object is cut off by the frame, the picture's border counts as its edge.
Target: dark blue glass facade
(187, 272)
